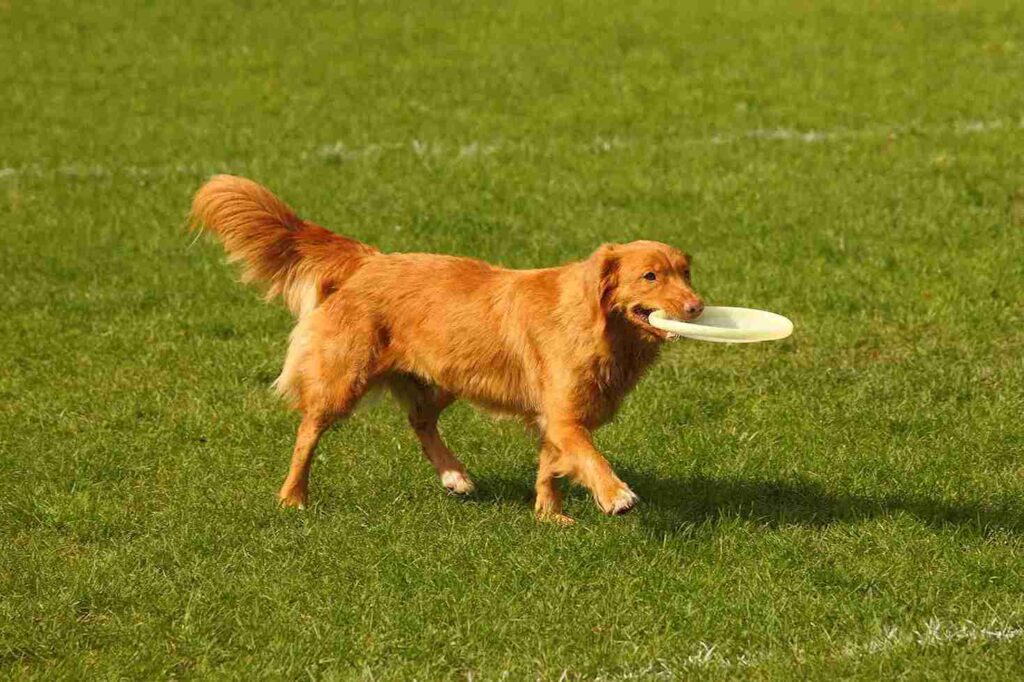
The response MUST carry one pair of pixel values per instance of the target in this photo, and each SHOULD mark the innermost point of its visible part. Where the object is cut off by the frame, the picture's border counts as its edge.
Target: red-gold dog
(559, 347)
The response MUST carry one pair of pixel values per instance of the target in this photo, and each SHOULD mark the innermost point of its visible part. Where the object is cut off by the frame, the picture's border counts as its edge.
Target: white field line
(342, 152)
(933, 633)
(97, 171)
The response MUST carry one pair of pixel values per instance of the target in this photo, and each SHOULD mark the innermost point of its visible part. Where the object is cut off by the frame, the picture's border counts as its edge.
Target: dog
(558, 347)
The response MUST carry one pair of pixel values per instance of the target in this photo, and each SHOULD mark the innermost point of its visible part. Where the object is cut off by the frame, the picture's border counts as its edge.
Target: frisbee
(721, 324)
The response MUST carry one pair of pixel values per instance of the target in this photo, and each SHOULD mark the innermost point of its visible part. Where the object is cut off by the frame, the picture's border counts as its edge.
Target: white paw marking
(457, 482)
(624, 501)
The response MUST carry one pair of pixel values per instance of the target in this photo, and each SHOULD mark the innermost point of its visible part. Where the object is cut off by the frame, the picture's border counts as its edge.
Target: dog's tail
(300, 261)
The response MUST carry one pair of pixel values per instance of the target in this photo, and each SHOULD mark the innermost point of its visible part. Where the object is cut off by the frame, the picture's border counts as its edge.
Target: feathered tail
(302, 262)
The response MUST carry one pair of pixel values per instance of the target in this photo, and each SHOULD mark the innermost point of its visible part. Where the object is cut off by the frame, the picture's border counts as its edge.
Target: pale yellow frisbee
(722, 324)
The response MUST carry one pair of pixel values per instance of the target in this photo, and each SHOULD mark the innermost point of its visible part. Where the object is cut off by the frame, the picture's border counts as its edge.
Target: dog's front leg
(549, 495)
(568, 450)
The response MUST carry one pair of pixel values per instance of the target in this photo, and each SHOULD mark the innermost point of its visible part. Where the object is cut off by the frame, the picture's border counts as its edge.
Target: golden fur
(558, 347)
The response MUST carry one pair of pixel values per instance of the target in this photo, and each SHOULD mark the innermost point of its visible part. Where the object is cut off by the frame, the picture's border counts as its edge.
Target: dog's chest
(607, 381)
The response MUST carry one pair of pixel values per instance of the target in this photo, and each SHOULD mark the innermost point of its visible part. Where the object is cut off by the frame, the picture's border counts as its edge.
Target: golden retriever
(558, 347)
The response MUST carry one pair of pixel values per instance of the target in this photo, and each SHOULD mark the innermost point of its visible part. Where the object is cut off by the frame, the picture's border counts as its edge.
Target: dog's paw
(292, 498)
(557, 518)
(619, 502)
(457, 483)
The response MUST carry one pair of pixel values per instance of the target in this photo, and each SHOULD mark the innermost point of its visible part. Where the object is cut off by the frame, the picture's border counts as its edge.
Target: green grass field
(845, 503)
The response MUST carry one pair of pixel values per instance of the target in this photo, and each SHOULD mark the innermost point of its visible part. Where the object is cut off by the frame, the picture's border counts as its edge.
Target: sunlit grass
(843, 503)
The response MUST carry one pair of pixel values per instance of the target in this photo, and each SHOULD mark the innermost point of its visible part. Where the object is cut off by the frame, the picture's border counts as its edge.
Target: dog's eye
(650, 276)
(686, 274)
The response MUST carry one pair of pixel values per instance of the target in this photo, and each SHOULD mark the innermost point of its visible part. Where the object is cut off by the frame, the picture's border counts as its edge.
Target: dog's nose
(693, 308)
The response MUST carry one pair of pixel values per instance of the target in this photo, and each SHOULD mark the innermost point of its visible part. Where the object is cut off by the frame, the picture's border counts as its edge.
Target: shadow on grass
(673, 505)
(677, 503)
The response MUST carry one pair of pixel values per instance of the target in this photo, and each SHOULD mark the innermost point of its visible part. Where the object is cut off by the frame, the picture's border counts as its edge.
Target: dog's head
(640, 277)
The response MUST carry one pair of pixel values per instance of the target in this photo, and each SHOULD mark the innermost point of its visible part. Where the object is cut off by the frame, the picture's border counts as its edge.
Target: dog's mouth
(641, 316)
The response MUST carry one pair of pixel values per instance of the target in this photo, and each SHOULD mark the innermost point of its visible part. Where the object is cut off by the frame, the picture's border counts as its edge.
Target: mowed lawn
(845, 503)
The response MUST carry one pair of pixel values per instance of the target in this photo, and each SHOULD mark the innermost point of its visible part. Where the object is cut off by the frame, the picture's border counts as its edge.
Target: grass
(846, 503)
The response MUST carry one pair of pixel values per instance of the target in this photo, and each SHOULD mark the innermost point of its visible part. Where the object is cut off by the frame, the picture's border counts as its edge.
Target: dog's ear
(605, 266)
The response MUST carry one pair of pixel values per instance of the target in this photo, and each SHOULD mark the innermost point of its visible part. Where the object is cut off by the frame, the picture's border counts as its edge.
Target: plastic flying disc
(727, 325)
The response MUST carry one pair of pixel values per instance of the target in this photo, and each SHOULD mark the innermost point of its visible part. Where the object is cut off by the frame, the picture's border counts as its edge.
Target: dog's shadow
(674, 505)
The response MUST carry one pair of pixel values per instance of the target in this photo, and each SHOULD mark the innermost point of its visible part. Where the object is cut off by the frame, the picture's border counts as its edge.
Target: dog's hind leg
(424, 404)
(295, 490)
(333, 378)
